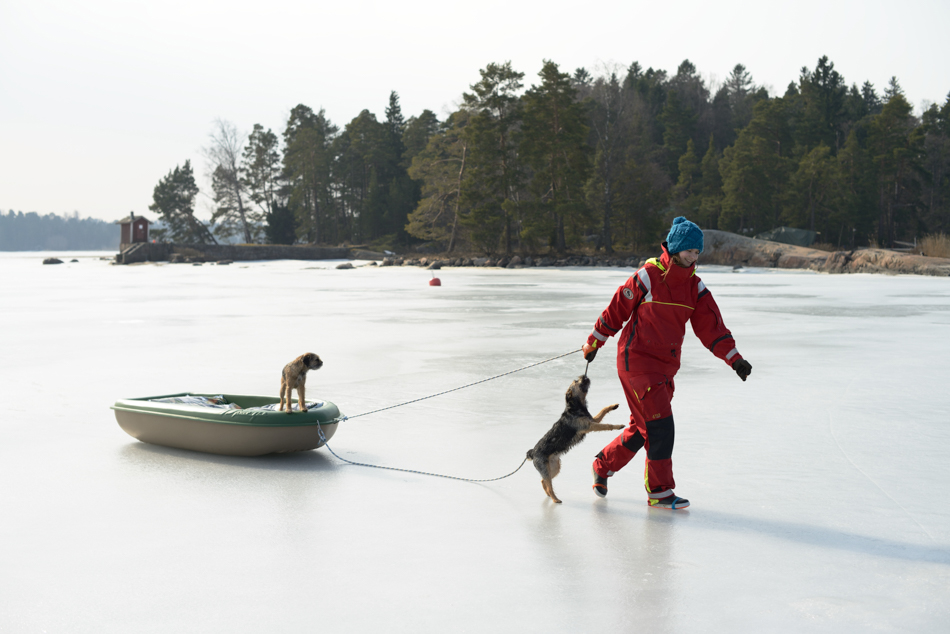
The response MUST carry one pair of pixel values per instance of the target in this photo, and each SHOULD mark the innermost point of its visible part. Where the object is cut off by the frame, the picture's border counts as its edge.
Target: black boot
(600, 484)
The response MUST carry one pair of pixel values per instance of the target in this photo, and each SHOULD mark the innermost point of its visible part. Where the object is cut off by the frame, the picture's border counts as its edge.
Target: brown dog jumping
(569, 430)
(294, 377)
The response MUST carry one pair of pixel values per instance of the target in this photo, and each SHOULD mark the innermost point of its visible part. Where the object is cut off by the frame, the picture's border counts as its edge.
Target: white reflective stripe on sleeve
(598, 336)
(733, 353)
(701, 287)
(645, 279)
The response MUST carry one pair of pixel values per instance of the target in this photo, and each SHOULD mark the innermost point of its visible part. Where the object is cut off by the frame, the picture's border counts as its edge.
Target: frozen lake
(819, 487)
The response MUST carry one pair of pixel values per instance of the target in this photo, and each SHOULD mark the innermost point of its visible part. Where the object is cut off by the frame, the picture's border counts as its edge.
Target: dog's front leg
(300, 397)
(603, 427)
(603, 412)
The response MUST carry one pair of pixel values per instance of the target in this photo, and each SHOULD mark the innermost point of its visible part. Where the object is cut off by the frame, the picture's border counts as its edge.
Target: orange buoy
(435, 282)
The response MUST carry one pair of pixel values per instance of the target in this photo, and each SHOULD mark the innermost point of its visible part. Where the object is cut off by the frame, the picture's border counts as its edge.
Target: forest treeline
(577, 159)
(32, 232)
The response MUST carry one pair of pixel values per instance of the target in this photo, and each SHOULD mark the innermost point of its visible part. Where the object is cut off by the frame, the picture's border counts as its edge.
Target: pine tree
(822, 117)
(494, 179)
(872, 102)
(400, 193)
(280, 225)
(581, 79)
(711, 203)
(936, 196)
(361, 155)
(688, 191)
(740, 93)
(307, 163)
(643, 191)
(174, 201)
(261, 167)
(893, 89)
(416, 135)
(756, 169)
(679, 124)
(854, 106)
(896, 147)
(649, 88)
(813, 196)
(395, 122)
(858, 202)
(555, 146)
(610, 125)
(441, 168)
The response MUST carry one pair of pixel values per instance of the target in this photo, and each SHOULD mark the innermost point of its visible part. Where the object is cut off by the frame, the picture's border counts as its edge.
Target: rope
(498, 376)
(438, 475)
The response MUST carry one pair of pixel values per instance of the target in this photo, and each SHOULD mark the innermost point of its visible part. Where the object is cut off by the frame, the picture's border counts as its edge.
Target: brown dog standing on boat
(294, 377)
(570, 429)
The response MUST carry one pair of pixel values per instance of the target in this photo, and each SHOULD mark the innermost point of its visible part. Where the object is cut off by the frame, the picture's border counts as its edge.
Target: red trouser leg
(651, 426)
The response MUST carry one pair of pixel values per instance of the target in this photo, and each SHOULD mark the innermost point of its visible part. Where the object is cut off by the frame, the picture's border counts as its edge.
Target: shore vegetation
(564, 161)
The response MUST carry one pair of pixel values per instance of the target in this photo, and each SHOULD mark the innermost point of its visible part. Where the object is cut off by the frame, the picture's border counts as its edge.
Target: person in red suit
(655, 304)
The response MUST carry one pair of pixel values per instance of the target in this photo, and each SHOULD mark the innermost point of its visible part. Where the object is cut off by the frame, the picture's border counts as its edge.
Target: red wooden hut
(133, 230)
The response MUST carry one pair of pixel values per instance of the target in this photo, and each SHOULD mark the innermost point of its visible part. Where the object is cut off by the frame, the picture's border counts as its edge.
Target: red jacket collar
(676, 273)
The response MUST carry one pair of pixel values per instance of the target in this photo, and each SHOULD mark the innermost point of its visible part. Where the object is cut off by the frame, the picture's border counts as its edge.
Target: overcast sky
(99, 99)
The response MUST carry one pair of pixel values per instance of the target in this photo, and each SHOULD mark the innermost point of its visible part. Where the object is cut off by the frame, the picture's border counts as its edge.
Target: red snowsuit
(656, 302)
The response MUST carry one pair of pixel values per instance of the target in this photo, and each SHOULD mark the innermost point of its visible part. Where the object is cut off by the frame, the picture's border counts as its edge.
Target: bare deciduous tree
(223, 155)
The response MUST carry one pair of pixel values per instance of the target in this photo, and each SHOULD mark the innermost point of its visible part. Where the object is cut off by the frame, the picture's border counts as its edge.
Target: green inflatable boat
(231, 425)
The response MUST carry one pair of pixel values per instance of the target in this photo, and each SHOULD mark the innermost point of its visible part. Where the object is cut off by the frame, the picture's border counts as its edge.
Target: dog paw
(304, 409)
(619, 427)
(614, 406)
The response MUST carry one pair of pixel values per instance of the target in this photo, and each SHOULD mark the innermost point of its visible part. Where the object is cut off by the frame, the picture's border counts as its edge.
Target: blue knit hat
(684, 235)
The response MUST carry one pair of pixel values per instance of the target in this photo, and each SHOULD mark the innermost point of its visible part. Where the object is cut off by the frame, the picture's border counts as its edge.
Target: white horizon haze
(101, 99)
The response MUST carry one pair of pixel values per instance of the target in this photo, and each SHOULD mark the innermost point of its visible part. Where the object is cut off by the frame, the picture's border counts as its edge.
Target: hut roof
(131, 218)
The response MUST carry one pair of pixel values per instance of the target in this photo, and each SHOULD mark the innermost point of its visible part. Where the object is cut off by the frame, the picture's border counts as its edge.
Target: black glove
(743, 368)
(590, 355)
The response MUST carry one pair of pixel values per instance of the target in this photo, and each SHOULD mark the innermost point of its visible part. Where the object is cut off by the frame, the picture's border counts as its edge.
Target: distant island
(32, 232)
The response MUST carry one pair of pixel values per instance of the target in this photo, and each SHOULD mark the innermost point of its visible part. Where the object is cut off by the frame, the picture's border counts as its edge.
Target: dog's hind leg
(549, 490)
(542, 464)
(300, 397)
(554, 468)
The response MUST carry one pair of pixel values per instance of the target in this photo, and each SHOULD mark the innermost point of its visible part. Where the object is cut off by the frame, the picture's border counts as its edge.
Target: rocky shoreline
(722, 248)
(731, 249)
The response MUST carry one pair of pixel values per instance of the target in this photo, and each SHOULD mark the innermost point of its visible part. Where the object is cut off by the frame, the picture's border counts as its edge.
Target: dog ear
(307, 358)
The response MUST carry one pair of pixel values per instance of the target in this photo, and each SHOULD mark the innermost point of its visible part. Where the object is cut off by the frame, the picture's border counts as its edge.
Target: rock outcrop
(731, 249)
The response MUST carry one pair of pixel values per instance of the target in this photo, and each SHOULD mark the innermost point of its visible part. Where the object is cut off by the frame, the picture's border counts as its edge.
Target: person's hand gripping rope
(589, 353)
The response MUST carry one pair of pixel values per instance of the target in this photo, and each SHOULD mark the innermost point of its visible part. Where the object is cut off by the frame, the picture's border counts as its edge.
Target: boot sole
(678, 507)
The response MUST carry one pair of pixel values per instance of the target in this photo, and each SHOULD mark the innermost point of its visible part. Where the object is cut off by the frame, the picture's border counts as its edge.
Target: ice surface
(819, 487)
